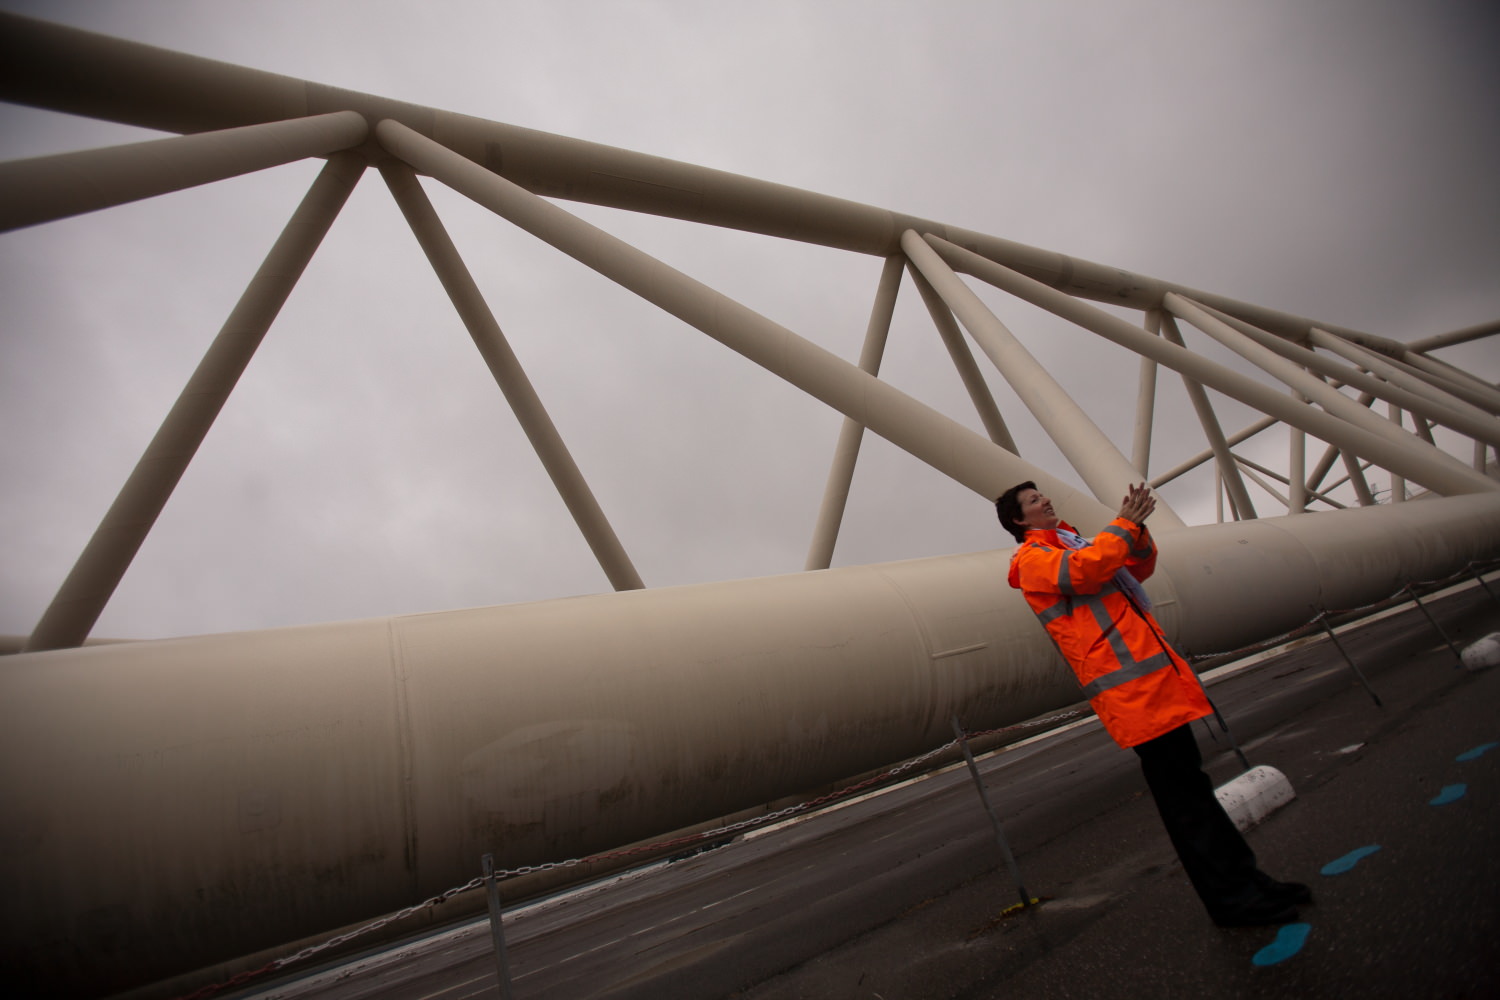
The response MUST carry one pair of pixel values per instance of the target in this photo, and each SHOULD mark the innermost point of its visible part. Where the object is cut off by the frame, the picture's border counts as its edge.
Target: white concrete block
(1482, 653)
(1255, 795)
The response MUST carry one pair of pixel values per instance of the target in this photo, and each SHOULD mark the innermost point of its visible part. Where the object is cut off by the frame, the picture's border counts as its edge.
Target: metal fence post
(1323, 620)
(1457, 655)
(492, 888)
(1005, 852)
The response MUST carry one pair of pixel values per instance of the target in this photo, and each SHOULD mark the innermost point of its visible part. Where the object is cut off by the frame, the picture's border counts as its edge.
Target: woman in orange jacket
(1087, 594)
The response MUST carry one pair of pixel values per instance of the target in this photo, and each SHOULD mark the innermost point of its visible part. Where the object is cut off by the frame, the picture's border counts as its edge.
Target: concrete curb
(1255, 795)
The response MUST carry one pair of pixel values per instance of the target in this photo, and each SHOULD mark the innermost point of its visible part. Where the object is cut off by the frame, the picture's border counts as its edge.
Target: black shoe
(1258, 913)
(1290, 893)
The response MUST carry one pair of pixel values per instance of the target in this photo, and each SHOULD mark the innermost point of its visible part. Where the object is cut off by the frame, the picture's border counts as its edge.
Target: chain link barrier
(707, 836)
(1470, 570)
(732, 829)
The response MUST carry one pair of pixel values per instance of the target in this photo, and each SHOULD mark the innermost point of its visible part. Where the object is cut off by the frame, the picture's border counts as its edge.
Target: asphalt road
(903, 895)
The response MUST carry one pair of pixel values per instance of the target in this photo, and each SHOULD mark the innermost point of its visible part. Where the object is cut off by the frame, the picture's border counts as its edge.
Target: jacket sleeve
(1142, 560)
(1044, 569)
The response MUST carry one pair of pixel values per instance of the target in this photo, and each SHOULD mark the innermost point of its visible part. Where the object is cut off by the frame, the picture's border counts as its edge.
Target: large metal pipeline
(175, 803)
(79, 72)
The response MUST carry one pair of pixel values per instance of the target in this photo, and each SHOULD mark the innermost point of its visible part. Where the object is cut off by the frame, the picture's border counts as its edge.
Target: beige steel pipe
(1208, 453)
(1393, 385)
(1410, 462)
(1332, 452)
(937, 440)
(1145, 403)
(1356, 477)
(511, 377)
(1424, 384)
(1229, 470)
(1398, 485)
(1455, 380)
(851, 434)
(1454, 337)
(171, 804)
(1093, 455)
(93, 579)
(54, 187)
(79, 72)
(1315, 389)
(963, 361)
(1297, 469)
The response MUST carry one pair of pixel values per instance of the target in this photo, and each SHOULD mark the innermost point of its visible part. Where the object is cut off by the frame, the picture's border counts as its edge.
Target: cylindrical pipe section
(1229, 471)
(1145, 402)
(963, 360)
(511, 377)
(846, 450)
(1208, 453)
(93, 579)
(80, 72)
(1297, 468)
(941, 442)
(1392, 386)
(1487, 395)
(1437, 476)
(1453, 337)
(54, 187)
(1092, 454)
(1426, 384)
(1320, 392)
(170, 804)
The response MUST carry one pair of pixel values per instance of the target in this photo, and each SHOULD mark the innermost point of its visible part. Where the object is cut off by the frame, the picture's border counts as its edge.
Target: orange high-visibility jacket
(1139, 686)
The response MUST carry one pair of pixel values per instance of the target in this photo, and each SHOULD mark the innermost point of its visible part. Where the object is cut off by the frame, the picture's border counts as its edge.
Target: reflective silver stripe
(1061, 609)
(1064, 576)
(1120, 533)
(1106, 623)
(1137, 668)
(1146, 547)
(1130, 667)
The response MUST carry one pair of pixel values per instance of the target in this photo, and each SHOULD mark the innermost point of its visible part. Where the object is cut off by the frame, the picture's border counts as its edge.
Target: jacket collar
(1048, 536)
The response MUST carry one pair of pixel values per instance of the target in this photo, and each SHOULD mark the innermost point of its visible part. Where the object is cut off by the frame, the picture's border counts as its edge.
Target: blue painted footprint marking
(1477, 752)
(1289, 941)
(1450, 793)
(1348, 861)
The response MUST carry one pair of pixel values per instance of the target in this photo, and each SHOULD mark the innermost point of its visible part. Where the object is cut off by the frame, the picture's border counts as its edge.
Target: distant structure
(173, 805)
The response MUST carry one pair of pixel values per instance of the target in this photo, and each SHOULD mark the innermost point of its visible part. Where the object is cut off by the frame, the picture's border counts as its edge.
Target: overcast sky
(1335, 159)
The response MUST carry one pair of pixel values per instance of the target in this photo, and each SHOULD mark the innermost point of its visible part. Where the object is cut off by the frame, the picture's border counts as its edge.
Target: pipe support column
(511, 377)
(83, 595)
(1437, 476)
(1229, 470)
(963, 360)
(45, 188)
(846, 451)
(943, 443)
(1093, 456)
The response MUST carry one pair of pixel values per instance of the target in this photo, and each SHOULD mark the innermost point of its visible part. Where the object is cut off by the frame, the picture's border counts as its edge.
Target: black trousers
(1219, 863)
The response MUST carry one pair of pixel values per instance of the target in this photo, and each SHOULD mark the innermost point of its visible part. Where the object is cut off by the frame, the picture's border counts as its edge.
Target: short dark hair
(1008, 509)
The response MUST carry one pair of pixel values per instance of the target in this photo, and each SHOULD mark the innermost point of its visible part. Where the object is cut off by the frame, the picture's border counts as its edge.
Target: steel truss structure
(292, 780)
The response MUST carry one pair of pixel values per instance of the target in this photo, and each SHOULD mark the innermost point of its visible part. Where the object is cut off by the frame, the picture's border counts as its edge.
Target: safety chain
(780, 814)
(709, 835)
(1311, 623)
